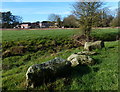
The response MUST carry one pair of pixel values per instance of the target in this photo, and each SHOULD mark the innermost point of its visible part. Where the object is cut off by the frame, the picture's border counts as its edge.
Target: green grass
(105, 34)
(37, 34)
(101, 76)
(34, 40)
(49, 40)
(51, 34)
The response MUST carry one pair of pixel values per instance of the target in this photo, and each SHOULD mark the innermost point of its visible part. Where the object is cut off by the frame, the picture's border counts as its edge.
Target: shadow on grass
(97, 61)
(111, 47)
(80, 70)
(95, 69)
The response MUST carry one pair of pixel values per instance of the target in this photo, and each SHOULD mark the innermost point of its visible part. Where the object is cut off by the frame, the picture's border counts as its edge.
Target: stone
(86, 53)
(84, 59)
(93, 45)
(76, 59)
(87, 45)
(38, 74)
(74, 62)
(71, 57)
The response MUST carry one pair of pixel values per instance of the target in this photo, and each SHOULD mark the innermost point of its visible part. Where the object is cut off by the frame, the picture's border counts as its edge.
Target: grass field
(101, 76)
(37, 34)
(53, 34)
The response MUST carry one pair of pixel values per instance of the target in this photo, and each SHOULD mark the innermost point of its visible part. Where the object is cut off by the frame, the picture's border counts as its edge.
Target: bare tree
(53, 17)
(87, 12)
(115, 22)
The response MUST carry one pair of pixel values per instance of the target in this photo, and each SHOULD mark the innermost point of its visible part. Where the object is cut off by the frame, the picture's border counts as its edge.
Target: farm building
(43, 24)
(23, 25)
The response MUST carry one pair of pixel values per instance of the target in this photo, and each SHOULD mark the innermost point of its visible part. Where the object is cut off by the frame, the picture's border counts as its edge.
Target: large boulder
(77, 59)
(46, 72)
(93, 45)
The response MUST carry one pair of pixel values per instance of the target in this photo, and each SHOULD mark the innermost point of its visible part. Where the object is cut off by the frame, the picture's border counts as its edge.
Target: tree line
(102, 18)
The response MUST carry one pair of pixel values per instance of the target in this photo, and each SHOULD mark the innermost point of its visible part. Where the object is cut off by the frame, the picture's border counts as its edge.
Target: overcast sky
(39, 11)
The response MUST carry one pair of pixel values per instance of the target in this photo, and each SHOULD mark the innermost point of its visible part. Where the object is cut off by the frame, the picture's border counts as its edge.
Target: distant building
(23, 25)
(43, 24)
(46, 24)
(40, 24)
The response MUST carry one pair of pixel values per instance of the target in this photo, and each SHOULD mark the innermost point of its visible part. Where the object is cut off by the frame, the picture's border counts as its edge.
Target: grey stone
(74, 62)
(71, 57)
(76, 59)
(93, 45)
(45, 72)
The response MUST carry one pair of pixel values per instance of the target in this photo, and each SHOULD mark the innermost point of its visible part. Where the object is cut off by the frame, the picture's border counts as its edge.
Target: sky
(39, 11)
